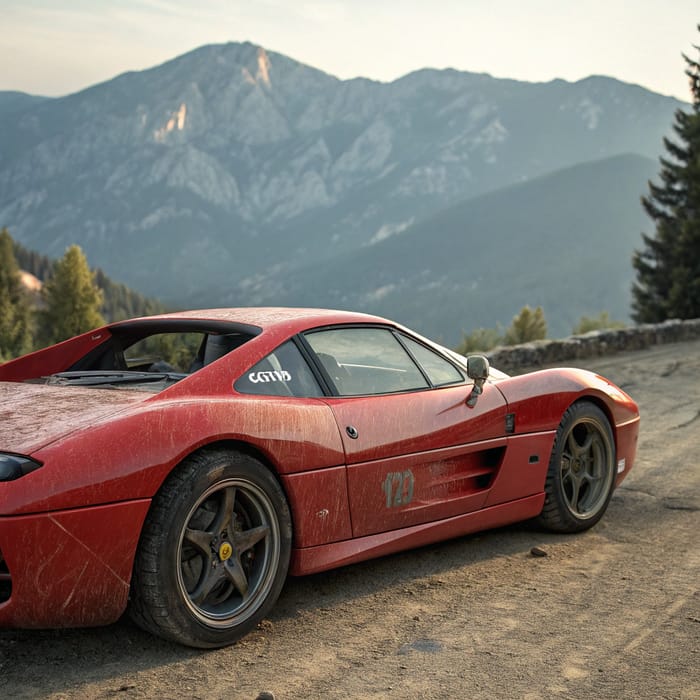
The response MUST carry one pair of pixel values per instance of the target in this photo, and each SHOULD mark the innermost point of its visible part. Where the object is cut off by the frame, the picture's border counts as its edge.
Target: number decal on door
(398, 488)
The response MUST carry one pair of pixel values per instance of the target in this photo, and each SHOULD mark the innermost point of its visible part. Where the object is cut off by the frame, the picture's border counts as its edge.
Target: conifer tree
(528, 325)
(668, 267)
(72, 298)
(15, 313)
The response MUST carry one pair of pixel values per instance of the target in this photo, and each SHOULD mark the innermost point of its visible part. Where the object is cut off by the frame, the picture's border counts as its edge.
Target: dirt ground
(611, 613)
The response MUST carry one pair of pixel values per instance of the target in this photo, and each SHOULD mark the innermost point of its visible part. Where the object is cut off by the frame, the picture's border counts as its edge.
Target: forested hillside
(43, 301)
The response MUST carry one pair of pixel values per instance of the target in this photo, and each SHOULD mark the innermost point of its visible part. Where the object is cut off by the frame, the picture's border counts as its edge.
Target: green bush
(600, 322)
(527, 326)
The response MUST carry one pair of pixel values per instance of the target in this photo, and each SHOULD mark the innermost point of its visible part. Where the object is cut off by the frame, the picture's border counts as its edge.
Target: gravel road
(611, 613)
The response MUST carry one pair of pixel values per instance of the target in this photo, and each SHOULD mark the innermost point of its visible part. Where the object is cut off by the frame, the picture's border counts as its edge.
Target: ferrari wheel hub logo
(225, 551)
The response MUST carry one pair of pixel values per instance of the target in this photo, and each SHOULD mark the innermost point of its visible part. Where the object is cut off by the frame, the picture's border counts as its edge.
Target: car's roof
(267, 317)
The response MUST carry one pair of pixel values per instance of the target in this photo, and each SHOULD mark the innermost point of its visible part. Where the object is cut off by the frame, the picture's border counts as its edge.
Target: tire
(581, 473)
(214, 551)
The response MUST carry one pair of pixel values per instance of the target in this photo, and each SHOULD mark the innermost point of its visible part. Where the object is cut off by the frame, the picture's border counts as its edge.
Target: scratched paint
(79, 571)
(106, 453)
(33, 415)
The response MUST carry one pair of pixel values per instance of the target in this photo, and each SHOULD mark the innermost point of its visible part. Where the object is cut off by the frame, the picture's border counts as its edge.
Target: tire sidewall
(569, 521)
(218, 467)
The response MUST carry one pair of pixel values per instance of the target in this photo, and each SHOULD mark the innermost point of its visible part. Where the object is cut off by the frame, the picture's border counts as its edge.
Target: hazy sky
(53, 47)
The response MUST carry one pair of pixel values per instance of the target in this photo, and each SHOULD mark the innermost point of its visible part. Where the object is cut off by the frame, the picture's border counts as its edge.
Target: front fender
(538, 399)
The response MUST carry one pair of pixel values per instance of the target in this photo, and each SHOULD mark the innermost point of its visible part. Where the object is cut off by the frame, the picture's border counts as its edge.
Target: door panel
(419, 456)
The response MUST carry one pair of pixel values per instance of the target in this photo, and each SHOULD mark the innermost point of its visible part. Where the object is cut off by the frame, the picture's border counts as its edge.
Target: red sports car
(180, 466)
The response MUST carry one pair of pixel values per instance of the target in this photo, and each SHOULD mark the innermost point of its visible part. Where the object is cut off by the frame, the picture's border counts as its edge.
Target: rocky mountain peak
(232, 161)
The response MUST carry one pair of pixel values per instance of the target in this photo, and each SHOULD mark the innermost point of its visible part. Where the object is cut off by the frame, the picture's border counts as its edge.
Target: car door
(415, 451)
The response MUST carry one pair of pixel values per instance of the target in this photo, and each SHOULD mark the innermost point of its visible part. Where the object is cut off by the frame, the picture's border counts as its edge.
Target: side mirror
(478, 371)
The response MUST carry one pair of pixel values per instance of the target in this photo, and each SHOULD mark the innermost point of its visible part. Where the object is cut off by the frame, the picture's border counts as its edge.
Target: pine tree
(528, 325)
(72, 299)
(15, 313)
(668, 268)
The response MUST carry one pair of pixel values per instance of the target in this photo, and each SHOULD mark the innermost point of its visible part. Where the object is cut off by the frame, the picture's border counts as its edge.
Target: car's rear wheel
(214, 551)
(581, 474)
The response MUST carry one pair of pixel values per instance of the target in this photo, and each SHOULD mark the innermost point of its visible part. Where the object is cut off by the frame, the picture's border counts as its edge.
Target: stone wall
(594, 344)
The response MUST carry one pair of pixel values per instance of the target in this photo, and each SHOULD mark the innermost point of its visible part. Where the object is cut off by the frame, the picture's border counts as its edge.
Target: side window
(364, 361)
(283, 372)
(439, 370)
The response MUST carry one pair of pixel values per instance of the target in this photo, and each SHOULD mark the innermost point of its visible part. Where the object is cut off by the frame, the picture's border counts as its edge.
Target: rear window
(164, 352)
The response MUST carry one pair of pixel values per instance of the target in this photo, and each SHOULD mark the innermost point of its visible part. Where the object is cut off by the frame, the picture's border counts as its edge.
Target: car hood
(33, 415)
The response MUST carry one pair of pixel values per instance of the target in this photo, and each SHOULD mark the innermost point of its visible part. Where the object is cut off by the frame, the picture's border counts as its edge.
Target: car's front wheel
(581, 474)
(214, 551)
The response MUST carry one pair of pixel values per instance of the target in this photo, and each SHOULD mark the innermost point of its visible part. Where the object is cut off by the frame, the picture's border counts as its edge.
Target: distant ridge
(563, 241)
(12, 102)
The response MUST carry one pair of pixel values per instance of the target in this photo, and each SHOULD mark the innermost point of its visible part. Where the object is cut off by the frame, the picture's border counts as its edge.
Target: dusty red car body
(69, 530)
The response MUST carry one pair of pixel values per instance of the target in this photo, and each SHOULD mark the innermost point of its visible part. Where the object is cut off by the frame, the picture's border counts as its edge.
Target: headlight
(14, 466)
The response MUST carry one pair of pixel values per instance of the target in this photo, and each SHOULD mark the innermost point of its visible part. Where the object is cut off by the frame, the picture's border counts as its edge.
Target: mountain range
(445, 199)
